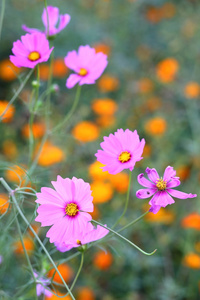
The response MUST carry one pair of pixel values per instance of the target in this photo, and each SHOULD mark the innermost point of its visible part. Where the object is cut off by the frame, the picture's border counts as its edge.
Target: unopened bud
(35, 83)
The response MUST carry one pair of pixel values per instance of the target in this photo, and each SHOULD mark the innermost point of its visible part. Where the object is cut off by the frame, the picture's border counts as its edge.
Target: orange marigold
(104, 106)
(105, 121)
(108, 83)
(8, 71)
(59, 68)
(163, 216)
(60, 296)
(192, 260)
(183, 172)
(65, 270)
(101, 47)
(167, 69)
(86, 131)
(147, 150)
(85, 293)
(4, 203)
(156, 126)
(101, 191)
(96, 172)
(103, 260)
(120, 182)
(9, 149)
(38, 130)
(192, 90)
(8, 116)
(153, 14)
(191, 221)
(44, 72)
(16, 174)
(28, 244)
(50, 155)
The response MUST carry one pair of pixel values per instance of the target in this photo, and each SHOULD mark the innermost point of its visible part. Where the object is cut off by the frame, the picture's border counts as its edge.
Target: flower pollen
(34, 55)
(78, 242)
(71, 209)
(82, 72)
(161, 184)
(124, 157)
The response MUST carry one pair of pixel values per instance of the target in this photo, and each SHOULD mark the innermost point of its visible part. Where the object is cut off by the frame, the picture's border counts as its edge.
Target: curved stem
(79, 271)
(70, 113)
(123, 238)
(133, 222)
(126, 203)
(3, 5)
(17, 93)
(11, 192)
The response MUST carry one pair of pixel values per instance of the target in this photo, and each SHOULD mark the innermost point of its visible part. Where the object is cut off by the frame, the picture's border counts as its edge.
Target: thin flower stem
(25, 193)
(133, 222)
(3, 5)
(23, 246)
(11, 192)
(48, 102)
(70, 113)
(17, 93)
(126, 203)
(79, 271)
(123, 238)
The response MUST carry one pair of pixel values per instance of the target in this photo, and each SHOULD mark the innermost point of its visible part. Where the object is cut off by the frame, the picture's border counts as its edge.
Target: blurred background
(152, 84)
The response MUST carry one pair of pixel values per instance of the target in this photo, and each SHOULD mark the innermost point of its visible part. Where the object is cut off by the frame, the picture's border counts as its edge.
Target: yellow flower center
(124, 156)
(161, 184)
(71, 209)
(82, 72)
(78, 242)
(33, 56)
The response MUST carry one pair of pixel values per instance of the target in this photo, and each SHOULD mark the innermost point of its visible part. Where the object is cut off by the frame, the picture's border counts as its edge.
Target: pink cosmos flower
(87, 64)
(121, 150)
(65, 208)
(160, 188)
(31, 50)
(90, 234)
(40, 288)
(53, 18)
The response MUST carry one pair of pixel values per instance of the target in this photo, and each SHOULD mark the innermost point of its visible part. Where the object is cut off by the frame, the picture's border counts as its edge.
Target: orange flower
(44, 72)
(59, 68)
(120, 182)
(95, 214)
(156, 126)
(96, 172)
(85, 293)
(153, 14)
(101, 47)
(183, 172)
(163, 217)
(192, 260)
(105, 121)
(4, 203)
(191, 221)
(38, 130)
(108, 83)
(16, 174)
(192, 90)
(50, 155)
(9, 149)
(167, 69)
(54, 297)
(8, 116)
(101, 191)
(86, 131)
(28, 244)
(65, 270)
(35, 227)
(102, 260)
(8, 71)
(145, 85)
(104, 106)
(147, 150)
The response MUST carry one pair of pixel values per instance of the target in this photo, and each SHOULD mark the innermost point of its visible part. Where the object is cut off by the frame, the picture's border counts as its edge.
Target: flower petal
(180, 195)
(173, 182)
(72, 80)
(145, 182)
(64, 20)
(145, 193)
(162, 198)
(152, 174)
(169, 173)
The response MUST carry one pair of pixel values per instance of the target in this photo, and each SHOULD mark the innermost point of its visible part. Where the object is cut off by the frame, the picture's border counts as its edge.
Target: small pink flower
(31, 50)
(90, 234)
(53, 18)
(65, 208)
(87, 64)
(120, 151)
(40, 285)
(160, 188)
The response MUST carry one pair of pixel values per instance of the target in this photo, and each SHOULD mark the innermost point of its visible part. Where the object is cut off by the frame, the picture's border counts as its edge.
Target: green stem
(70, 113)
(79, 271)
(126, 203)
(3, 5)
(11, 192)
(17, 93)
(123, 238)
(48, 106)
(133, 222)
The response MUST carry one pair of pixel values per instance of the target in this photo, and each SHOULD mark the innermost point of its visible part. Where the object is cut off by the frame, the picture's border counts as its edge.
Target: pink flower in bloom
(40, 286)
(160, 188)
(51, 21)
(87, 64)
(31, 50)
(65, 208)
(90, 234)
(121, 150)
